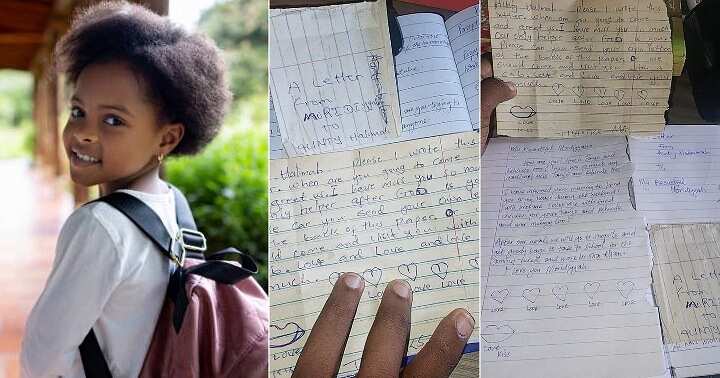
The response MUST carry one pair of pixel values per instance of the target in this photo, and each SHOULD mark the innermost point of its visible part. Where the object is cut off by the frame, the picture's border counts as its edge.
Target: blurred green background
(226, 184)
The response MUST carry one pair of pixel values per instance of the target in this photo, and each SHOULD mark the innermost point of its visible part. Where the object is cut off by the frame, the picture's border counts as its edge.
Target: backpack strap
(92, 357)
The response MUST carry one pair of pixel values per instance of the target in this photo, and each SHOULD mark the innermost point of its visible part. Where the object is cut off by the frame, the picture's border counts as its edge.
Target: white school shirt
(106, 275)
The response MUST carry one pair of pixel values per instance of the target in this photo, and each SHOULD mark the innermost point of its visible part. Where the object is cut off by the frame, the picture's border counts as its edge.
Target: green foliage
(16, 127)
(226, 186)
(239, 27)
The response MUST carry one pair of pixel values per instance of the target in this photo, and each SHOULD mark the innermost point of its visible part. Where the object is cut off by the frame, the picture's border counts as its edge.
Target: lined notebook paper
(687, 287)
(565, 262)
(677, 175)
(582, 67)
(332, 76)
(407, 210)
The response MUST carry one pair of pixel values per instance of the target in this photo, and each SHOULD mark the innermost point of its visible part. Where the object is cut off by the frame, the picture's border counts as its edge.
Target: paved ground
(33, 207)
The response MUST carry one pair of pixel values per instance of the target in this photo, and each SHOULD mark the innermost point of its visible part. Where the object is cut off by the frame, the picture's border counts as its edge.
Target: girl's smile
(114, 137)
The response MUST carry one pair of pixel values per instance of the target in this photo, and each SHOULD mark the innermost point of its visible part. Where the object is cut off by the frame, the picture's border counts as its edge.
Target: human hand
(492, 92)
(387, 341)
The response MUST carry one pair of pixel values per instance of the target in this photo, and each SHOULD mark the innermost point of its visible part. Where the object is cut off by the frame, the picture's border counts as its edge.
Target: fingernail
(352, 280)
(401, 288)
(511, 86)
(464, 324)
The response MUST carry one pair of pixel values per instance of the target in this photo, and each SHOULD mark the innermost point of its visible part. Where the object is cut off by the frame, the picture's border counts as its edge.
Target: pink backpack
(214, 322)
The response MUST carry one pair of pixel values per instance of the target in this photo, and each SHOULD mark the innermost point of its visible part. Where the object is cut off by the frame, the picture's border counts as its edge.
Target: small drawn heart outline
(557, 88)
(500, 295)
(523, 112)
(531, 295)
(560, 292)
(440, 269)
(369, 275)
(493, 333)
(591, 289)
(619, 94)
(578, 91)
(408, 271)
(643, 94)
(625, 288)
(474, 263)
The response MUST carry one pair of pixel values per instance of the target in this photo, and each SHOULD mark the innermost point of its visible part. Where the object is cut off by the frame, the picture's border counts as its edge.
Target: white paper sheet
(464, 34)
(565, 263)
(677, 175)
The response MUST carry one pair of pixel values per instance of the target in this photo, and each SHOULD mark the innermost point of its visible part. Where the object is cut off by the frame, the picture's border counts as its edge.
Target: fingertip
(401, 288)
(511, 86)
(464, 323)
(352, 281)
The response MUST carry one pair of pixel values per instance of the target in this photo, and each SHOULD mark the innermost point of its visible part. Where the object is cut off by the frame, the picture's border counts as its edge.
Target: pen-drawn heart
(557, 88)
(560, 292)
(408, 270)
(440, 269)
(619, 94)
(579, 91)
(334, 277)
(500, 295)
(372, 275)
(474, 262)
(625, 288)
(643, 94)
(285, 335)
(531, 294)
(493, 333)
(518, 111)
(591, 289)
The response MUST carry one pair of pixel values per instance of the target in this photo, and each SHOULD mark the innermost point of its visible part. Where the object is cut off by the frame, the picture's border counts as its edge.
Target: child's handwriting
(582, 67)
(407, 210)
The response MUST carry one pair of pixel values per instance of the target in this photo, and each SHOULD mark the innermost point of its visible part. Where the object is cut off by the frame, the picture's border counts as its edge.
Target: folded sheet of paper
(677, 175)
(687, 288)
(582, 67)
(332, 76)
(464, 34)
(408, 210)
(565, 263)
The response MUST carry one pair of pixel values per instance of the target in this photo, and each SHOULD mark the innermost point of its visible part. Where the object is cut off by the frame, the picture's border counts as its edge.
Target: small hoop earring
(160, 157)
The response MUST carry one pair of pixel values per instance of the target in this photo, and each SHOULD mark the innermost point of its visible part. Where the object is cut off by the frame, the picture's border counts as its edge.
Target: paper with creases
(582, 67)
(403, 211)
(677, 174)
(332, 76)
(686, 276)
(565, 263)
(277, 151)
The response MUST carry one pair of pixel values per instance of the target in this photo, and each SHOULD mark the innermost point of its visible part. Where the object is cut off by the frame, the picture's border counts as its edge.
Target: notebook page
(582, 67)
(431, 96)
(464, 36)
(686, 273)
(331, 72)
(565, 262)
(677, 175)
(277, 151)
(408, 210)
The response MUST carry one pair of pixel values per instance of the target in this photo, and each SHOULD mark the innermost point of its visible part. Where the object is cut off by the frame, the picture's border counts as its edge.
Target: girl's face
(112, 137)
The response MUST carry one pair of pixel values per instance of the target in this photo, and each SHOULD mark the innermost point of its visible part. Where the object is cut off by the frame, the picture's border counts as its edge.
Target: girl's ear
(172, 134)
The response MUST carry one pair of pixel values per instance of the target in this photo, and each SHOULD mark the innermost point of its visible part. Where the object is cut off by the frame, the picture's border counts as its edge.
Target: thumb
(493, 92)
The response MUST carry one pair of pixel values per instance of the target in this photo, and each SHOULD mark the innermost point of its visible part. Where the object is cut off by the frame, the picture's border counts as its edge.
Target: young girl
(142, 89)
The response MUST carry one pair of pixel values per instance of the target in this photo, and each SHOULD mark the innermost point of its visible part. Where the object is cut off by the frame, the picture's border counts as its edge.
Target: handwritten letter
(565, 262)
(677, 175)
(464, 35)
(331, 72)
(431, 94)
(582, 67)
(687, 288)
(408, 210)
